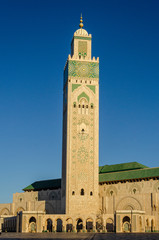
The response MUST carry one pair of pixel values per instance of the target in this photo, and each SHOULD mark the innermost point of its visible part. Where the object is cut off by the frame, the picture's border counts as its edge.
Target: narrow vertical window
(82, 191)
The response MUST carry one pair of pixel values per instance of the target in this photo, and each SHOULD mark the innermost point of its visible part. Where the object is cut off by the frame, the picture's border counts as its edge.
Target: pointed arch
(69, 225)
(83, 95)
(4, 211)
(126, 202)
(89, 224)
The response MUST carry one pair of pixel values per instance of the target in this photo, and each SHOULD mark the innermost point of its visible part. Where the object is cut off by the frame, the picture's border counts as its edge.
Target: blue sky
(35, 38)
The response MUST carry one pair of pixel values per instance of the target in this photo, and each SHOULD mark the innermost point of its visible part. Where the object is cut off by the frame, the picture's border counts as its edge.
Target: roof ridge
(122, 163)
(129, 170)
(47, 180)
(129, 174)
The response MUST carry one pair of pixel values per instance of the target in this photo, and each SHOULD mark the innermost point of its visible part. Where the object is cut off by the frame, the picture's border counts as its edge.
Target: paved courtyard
(139, 236)
(80, 236)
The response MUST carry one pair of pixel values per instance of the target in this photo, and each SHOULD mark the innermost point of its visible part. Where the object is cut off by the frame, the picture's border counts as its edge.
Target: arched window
(49, 225)
(134, 190)
(82, 191)
(91, 193)
(126, 219)
(111, 192)
(32, 219)
(73, 192)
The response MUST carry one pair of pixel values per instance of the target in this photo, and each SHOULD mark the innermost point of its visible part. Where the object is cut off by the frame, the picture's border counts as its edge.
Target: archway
(59, 225)
(49, 225)
(32, 224)
(99, 225)
(129, 207)
(69, 225)
(89, 225)
(109, 225)
(126, 224)
(79, 225)
(129, 203)
(4, 211)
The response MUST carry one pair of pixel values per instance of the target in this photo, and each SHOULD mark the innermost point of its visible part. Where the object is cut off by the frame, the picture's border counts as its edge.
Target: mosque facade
(88, 198)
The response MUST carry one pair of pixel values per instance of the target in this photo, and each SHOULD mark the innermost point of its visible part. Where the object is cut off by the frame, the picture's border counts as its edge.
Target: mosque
(111, 198)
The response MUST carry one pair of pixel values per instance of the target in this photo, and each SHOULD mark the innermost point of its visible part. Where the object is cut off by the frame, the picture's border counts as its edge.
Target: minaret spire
(81, 22)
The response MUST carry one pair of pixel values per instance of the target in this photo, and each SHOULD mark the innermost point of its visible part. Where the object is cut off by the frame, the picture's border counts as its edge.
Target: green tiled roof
(121, 167)
(107, 173)
(131, 174)
(44, 185)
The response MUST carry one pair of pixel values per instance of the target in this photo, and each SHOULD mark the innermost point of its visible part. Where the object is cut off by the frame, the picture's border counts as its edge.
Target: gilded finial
(81, 22)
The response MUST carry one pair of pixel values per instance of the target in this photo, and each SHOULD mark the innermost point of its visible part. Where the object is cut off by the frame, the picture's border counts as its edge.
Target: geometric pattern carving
(83, 69)
(82, 48)
(82, 163)
(82, 155)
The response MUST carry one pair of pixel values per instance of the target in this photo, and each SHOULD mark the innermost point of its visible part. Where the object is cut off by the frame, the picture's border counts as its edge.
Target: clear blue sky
(35, 38)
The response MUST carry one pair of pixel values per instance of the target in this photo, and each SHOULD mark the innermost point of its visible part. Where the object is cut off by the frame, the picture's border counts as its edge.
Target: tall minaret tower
(80, 128)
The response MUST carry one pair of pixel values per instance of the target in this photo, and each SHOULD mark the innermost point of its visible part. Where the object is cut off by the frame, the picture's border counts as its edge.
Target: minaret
(80, 127)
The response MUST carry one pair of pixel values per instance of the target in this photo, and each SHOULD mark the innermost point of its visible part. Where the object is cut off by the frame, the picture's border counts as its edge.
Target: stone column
(104, 229)
(118, 224)
(74, 228)
(54, 228)
(84, 228)
(64, 228)
(94, 228)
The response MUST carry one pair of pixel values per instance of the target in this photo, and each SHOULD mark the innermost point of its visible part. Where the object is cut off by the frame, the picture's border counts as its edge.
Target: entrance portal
(32, 224)
(126, 224)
